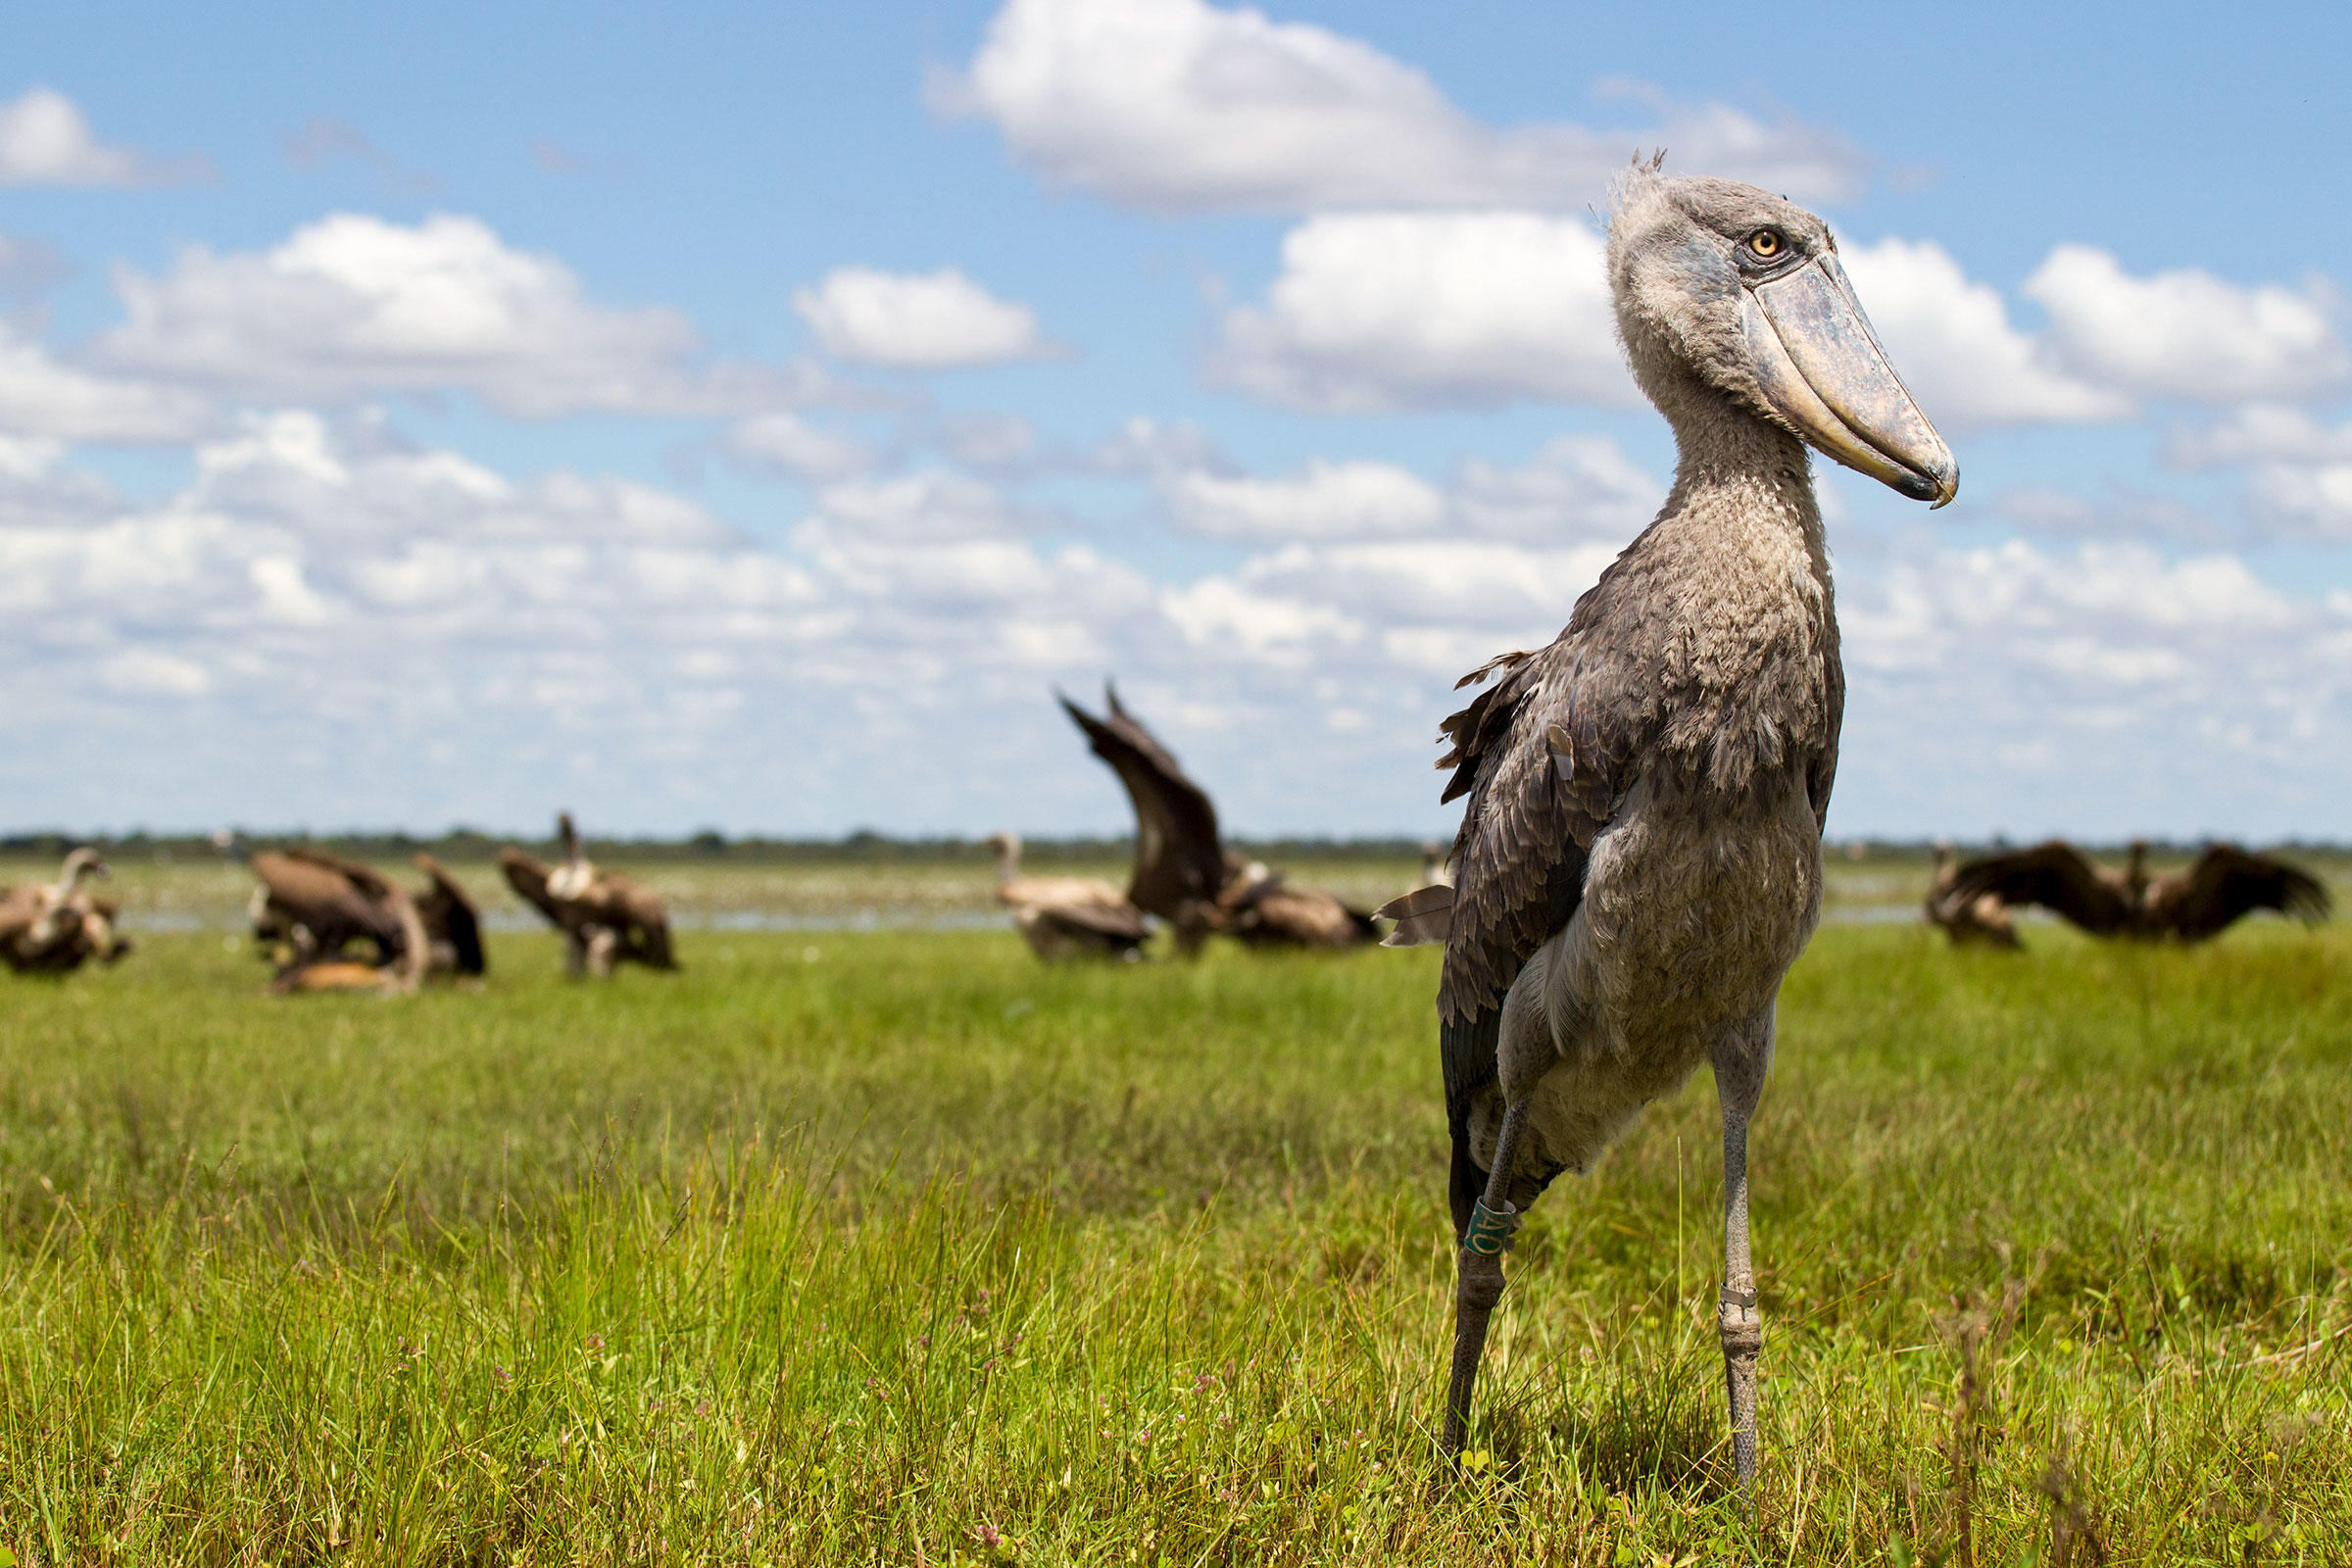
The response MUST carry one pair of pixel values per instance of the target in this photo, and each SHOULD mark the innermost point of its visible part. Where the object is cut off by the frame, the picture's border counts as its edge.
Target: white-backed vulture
(2222, 886)
(1981, 921)
(1182, 872)
(1066, 917)
(312, 906)
(56, 927)
(606, 918)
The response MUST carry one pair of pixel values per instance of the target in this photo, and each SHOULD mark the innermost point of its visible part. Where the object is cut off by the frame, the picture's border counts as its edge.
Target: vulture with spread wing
(1182, 872)
(2214, 891)
(606, 918)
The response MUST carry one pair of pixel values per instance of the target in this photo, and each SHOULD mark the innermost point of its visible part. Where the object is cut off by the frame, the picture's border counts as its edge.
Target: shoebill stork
(55, 927)
(1978, 921)
(1640, 860)
(606, 918)
(2213, 893)
(1066, 917)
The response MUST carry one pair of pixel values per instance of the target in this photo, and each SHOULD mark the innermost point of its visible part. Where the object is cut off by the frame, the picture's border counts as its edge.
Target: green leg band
(1491, 1234)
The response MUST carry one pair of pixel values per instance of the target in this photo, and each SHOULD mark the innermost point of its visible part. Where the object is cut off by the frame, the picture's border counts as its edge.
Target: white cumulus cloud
(42, 396)
(916, 320)
(1576, 489)
(1178, 105)
(45, 140)
(355, 304)
(1377, 311)
(2186, 333)
(1953, 344)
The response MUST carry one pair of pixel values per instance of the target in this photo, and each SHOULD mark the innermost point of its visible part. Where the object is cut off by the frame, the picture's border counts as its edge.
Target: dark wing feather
(1124, 922)
(2226, 883)
(448, 914)
(1179, 858)
(528, 877)
(2054, 875)
(1545, 754)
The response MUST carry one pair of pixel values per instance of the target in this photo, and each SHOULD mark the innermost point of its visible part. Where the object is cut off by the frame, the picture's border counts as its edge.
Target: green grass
(898, 1247)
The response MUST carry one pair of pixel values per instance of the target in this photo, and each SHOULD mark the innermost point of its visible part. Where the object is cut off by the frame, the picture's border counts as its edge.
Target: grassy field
(895, 1246)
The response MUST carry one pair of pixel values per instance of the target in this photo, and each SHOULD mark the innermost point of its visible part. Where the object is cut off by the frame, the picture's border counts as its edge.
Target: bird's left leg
(1478, 1281)
(1741, 1062)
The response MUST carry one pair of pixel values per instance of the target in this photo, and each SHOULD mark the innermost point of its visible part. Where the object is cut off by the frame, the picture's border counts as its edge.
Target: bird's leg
(1478, 1281)
(603, 946)
(576, 954)
(1740, 1082)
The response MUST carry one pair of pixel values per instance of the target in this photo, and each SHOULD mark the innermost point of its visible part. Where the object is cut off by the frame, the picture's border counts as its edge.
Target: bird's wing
(1179, 858)
(528, 878)
(2054, 875)
(1544, 754)
(2226, 883)
(1824, 772)
(360, 877)
(1123, 921)
(449, 913)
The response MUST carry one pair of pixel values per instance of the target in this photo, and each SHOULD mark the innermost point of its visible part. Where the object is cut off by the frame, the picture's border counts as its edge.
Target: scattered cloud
(46, 140)
(918, 322)
(2095, 688)
(2122, 513)
(2187, 334)
(324, 140)
(2261, 431)
(782, 442)
(1177, 106)
(41, 396)
(1382, 310)
(354, 305)
(1327, 501)
(1577, 489)
(1953, 342)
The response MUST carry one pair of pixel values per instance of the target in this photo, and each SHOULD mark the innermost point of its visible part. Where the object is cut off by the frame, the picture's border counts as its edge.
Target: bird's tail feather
(1424, 914)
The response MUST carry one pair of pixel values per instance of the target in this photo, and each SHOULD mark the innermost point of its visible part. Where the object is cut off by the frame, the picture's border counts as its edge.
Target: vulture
(606, 918)
(1639, 862)
(56, 927)
(2218, 889)
(1182, 872)
(1066, 917)
(1980, 922)
(310, 907)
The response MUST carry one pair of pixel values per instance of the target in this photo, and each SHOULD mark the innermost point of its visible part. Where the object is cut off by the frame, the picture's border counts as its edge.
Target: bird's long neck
(1009, 859)
(1734, 469)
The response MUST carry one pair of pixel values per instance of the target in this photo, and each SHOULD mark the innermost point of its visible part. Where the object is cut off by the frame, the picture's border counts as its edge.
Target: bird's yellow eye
(1765, 243)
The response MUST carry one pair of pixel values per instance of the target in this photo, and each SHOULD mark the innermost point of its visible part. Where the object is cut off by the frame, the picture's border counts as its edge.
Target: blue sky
(746, 415)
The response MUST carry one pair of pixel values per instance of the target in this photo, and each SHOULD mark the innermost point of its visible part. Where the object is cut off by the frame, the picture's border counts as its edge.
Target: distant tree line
(462, 846)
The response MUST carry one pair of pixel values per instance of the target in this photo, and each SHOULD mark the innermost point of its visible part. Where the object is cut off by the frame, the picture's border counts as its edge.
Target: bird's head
(80, 863)
(1724, 287)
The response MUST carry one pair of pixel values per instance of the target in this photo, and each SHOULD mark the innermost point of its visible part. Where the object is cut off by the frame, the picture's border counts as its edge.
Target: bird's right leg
(603, 945)
(576, 954)
(1478, 1280)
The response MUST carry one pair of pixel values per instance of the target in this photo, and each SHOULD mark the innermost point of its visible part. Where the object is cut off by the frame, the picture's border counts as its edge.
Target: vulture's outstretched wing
(1120, 921)
(1179, 859)
(2054, 875)
(528, 877)
(2226, 883)
(450, 916)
